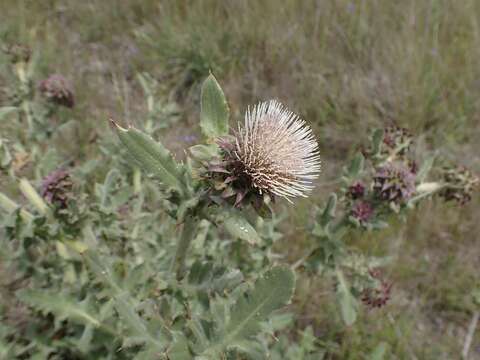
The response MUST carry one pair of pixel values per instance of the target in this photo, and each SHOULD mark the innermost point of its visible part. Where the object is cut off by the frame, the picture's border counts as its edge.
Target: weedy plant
(181, 265)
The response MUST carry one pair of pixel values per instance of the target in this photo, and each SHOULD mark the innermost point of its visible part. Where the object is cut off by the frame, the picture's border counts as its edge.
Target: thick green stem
(178, 263)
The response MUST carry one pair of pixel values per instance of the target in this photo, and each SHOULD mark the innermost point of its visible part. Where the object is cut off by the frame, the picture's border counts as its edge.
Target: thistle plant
(180, 263)
(381, 183)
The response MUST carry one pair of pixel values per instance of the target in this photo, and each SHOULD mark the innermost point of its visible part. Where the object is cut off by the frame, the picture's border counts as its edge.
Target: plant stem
(178, 263)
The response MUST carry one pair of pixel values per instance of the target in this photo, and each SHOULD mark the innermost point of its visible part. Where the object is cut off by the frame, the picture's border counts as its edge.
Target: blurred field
(345, 66)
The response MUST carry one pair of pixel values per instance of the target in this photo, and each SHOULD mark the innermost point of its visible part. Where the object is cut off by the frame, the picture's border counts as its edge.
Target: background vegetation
(345, 67)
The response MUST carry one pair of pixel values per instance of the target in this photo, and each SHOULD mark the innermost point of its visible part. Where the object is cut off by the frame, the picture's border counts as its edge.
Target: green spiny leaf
(214, 109)
(62, 306)
(152, 156)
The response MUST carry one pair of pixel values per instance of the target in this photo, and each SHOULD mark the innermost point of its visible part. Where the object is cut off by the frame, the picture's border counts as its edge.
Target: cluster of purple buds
(394, 182)
(460, 185)
(377, 296)
(57, 90)
(56, 188)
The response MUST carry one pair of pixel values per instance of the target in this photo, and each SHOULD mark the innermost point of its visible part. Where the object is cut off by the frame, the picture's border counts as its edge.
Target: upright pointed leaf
(152, 156)
(214, 109)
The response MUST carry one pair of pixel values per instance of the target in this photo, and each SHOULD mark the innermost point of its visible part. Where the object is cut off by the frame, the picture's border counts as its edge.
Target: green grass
(345, 66)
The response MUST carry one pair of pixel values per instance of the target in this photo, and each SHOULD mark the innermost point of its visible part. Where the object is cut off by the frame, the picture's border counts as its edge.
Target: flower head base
(57, 90)
(277, 151)
(394, 182)
(56, 188)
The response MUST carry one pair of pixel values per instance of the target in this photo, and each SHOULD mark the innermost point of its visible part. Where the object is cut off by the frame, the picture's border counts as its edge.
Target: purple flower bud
(56, 187)
(377, 296)
(356, 191)
(362, 211)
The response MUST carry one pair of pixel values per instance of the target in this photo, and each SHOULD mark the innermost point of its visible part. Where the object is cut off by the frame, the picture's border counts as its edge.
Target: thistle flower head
(362, 211)
(56, 188)
(461, 183)
(18, 53)
(57, 90)
(394, 182)
(277, 151)
(378, 295)
(356, 191)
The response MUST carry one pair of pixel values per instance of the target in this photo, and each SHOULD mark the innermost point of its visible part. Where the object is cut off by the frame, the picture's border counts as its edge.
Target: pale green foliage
(271, 292)
(62, 306)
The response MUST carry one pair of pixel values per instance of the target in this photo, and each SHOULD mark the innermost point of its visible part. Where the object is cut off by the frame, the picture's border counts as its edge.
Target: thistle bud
(57, 90)
(56, 188)
(397, 139)
(362, 211)
(394, 182)
(356, 191)
(460, 185)
(377, 296)
(18, 53)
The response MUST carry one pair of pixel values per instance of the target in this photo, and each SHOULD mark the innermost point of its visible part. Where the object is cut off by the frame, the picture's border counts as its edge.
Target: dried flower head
(56, 188)
(274, 152)
(461, 183)
(57, 90)
(394, 182)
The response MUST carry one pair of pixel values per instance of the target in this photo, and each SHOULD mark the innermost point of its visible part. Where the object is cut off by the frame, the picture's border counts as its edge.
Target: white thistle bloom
(278, 151)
